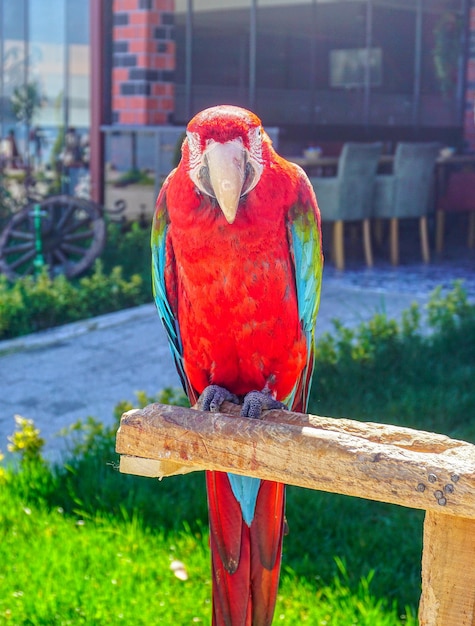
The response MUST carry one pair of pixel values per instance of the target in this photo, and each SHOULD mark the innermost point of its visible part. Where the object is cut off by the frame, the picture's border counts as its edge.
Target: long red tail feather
(245, 559)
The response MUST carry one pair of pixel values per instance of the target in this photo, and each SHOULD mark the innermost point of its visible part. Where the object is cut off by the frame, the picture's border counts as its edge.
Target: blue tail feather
(245, 491)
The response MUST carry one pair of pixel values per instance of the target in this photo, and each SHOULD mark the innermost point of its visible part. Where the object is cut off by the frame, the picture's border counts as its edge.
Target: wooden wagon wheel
(72, 237)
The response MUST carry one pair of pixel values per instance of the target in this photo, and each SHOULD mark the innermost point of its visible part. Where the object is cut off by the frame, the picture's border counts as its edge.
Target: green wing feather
(161, 268)
(306, 249)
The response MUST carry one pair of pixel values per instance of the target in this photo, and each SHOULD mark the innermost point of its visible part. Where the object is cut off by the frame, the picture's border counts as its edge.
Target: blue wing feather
(306, 249)
(159, 242)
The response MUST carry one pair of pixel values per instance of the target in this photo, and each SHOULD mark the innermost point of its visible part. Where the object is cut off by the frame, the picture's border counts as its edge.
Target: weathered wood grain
(379, 462)
(448, 571)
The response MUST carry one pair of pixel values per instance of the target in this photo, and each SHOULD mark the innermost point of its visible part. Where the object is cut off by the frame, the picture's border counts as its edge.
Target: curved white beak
(227, 170)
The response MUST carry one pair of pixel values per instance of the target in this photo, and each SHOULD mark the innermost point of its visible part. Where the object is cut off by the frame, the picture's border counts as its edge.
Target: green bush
(384, 371)
(35, 303)
(128, 246)
(121, 278)
(134, 176)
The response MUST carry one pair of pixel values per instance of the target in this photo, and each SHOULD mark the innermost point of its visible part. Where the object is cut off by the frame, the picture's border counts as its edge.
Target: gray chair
(348, 195)
(407, 192)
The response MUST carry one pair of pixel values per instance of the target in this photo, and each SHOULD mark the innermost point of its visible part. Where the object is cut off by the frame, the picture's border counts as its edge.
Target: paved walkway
(82, 369)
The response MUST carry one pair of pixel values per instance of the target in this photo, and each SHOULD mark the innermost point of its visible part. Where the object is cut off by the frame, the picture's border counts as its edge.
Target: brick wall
(143, 72)
(469, 123)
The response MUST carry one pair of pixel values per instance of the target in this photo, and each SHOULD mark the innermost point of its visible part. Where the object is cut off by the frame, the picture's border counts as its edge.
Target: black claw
(257, 401)
(213, 397)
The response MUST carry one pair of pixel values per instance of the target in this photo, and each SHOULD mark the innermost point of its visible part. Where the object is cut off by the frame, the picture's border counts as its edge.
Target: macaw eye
(204, 181)
(249, 178)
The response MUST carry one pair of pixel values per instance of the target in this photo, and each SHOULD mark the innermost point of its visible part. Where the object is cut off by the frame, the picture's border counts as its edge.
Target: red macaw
(237, 265)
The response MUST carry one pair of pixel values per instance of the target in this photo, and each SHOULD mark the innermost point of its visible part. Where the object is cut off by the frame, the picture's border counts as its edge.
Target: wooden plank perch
(379, 462)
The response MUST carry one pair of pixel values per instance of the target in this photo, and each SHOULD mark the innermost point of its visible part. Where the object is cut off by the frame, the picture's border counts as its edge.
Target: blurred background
(105, 87)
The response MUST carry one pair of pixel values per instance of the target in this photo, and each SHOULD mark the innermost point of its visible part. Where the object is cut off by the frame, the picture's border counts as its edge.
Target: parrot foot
(257, 401)
(213, 397)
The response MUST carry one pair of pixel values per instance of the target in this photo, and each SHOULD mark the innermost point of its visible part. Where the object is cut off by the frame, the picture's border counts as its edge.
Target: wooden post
(439, 230)
(338, 246)
(424, 237)
(394, 240)
(375, 461)
(368, 252)
(378, 227)
(448, 571)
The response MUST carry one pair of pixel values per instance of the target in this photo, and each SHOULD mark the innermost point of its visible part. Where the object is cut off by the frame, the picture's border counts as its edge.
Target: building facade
(44, 62)
(321, 71)
(318, 69)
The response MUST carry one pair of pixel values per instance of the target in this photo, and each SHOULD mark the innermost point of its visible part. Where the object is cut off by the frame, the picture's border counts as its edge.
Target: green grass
(83, 544)
(61, 569)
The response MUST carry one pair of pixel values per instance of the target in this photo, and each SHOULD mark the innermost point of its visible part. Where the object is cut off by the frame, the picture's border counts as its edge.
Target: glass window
(394, 31)
(324, 63)
(180, 40)
(298, 45)
(44, 47)
(47, 58)
(284, 61)
(13, 52)
(441, 49)
(284, 46)
(441, 102)
(220, 54)
(78, 58)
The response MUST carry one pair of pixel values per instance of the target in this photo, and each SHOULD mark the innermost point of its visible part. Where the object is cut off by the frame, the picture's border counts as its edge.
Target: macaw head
(223, 152)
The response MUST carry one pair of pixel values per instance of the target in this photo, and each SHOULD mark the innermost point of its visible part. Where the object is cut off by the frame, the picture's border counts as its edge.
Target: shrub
(385, 371)
(121, 278)
(26, 441)
(128, 246)
(36, 303)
